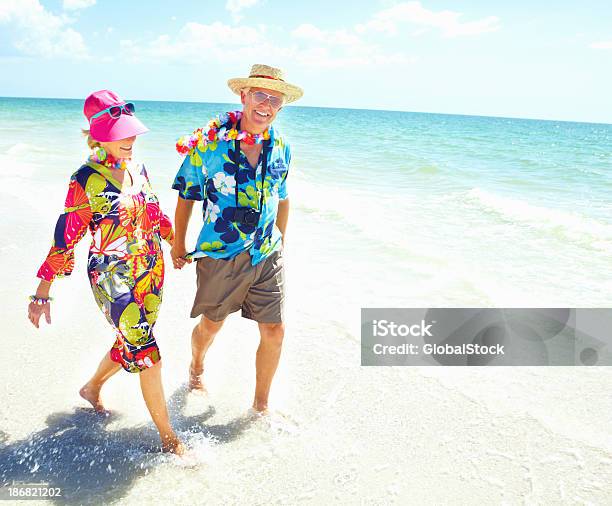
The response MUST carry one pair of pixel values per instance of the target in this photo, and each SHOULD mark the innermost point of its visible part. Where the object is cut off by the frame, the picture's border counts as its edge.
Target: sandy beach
(349, 434)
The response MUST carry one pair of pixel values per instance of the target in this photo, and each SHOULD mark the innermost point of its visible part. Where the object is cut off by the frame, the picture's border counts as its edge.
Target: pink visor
(105, 128)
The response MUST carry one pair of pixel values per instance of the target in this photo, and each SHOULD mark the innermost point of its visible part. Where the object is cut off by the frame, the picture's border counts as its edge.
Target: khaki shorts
(225, 286)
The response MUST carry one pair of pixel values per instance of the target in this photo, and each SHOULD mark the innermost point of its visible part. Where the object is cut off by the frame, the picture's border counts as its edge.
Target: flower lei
(100, 156)
(220, 128)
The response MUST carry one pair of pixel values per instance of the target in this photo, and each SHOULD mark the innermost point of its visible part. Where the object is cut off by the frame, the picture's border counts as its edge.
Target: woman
(112, 197)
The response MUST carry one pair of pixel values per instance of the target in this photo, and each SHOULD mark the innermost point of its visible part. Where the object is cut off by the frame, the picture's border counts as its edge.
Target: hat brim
(291, 91)
(107, 129)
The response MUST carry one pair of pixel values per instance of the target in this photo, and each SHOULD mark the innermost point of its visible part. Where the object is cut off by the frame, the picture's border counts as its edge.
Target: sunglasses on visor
(115, 111)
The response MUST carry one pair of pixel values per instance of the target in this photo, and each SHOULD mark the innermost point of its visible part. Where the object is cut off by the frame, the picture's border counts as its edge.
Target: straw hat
(270, 78)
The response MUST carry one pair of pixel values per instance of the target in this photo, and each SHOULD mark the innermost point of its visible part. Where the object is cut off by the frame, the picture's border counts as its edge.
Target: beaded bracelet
(39, 301)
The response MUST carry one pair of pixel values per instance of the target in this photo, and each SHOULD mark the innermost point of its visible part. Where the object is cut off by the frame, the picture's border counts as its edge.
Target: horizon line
(351, 109)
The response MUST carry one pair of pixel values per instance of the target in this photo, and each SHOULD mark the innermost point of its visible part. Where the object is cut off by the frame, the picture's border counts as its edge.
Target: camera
(246, 216)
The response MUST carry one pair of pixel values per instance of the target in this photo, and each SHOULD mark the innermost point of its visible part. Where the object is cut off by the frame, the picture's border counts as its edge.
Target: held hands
(35, 311)
(178, 253)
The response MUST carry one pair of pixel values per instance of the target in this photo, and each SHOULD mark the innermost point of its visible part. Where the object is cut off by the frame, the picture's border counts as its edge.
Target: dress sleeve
(70, 228)
(165, 228)
(190, 180)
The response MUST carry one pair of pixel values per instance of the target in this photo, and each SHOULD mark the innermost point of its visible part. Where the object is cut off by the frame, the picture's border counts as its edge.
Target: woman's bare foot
(92, 395)
(196, 382)
(172, 444)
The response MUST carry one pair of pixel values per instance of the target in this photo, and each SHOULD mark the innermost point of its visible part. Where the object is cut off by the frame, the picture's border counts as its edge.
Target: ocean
(388, 209)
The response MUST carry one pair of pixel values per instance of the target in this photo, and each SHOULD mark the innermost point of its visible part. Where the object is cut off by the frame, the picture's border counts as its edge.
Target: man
(238, 166)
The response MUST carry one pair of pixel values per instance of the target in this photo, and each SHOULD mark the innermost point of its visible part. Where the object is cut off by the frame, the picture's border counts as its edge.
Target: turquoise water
(468, 209)
(545, 161)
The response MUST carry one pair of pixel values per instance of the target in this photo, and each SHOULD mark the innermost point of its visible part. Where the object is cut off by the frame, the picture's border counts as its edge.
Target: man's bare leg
(91, 390)
(266, 362)
(201, 338)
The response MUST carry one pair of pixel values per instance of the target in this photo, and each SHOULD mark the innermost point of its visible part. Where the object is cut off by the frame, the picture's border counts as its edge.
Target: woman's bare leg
(153, 394)
(91, 390)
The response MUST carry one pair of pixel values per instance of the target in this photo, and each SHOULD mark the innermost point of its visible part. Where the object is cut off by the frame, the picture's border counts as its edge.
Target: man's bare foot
(196, 382)
(172, 444)
(260, 408)
(92, 396)
(274, 420)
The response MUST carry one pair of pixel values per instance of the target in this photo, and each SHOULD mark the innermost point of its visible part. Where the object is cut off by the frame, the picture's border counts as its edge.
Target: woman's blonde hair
(91, 142)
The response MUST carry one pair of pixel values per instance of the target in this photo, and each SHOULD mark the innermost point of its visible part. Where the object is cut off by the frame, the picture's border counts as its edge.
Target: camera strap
(264, 168)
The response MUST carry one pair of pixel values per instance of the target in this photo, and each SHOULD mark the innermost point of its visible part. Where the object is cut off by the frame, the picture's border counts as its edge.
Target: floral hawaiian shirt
(209, 173)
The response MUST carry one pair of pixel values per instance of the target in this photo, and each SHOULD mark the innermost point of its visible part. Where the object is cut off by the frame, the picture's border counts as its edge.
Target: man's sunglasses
(115, 111)
(260, 97)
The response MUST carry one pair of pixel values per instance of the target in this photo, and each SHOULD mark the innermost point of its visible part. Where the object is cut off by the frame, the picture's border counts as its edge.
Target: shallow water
(398, 210)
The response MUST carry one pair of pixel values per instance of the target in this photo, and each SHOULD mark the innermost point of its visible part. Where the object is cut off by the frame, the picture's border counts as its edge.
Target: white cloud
(324, 57)
(341, 49)
(310, 32)
(235, 7)
(309, 46)
(601, 45)
(194, 42)
(8, 8)
(38, 32)
(73, 5)
(447, 22)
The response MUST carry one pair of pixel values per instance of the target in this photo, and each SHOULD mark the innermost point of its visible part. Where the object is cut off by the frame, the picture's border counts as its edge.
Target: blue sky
(542, 59)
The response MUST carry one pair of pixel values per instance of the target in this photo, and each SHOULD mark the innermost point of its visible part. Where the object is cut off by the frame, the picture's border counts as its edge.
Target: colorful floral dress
(125, 266)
